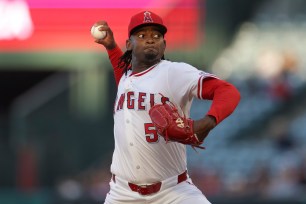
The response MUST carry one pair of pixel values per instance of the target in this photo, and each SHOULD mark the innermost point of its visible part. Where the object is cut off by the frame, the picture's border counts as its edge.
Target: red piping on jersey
(200, 87)
(142, 73)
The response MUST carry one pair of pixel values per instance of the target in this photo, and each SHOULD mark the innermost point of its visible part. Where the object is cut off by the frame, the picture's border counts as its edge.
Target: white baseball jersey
(141, 156)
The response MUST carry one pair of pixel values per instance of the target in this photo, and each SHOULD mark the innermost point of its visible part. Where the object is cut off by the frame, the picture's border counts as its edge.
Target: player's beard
(151, 56)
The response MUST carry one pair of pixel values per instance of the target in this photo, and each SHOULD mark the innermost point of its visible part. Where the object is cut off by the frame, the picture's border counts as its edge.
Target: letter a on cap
(147, 17)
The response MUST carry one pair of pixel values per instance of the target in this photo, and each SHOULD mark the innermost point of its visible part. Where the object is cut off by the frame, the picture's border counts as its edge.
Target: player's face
(147, 44)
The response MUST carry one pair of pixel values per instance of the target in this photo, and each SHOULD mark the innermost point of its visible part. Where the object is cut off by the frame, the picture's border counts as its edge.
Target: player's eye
(156, 36)
(141, 35)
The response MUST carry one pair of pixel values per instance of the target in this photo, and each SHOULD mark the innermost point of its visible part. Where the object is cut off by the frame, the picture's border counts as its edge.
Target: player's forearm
(112, 45)
(203, 126)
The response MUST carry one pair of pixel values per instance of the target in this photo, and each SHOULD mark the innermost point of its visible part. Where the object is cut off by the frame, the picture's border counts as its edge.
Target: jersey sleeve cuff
(114, 51)
(212, 113)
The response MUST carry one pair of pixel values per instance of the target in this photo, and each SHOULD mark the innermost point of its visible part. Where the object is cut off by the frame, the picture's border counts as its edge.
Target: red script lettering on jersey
(138, 101)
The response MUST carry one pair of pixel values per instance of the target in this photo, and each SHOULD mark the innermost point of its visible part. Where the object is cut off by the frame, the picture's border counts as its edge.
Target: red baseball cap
(146, 18)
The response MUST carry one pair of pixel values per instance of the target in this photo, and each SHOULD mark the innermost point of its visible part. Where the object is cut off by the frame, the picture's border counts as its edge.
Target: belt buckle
(141, 188)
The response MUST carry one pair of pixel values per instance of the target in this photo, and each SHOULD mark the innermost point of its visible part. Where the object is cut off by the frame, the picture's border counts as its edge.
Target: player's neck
(139, 67)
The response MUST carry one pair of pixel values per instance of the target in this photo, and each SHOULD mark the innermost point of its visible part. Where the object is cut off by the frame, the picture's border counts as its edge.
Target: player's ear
(128, 44)
(165, 45)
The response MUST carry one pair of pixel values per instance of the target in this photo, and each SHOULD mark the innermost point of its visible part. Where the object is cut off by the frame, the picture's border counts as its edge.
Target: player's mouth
(150, 49)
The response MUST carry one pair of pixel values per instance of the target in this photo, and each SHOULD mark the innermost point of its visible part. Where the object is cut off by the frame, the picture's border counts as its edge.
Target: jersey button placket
(128, 86)
(129, 128)
(127, 114)
(130, 133)
(128, 120)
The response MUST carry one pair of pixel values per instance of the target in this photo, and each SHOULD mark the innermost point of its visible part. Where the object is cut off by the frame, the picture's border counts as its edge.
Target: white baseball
(96, 33)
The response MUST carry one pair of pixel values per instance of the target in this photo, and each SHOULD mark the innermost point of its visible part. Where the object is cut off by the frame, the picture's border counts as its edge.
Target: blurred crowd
(284, 178)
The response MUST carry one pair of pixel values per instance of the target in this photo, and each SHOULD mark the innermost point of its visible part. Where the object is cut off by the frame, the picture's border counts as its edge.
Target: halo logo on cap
(147, 17)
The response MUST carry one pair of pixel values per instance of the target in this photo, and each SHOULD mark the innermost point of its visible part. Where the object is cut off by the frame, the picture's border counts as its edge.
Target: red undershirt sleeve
(225, 97)
(114, 56)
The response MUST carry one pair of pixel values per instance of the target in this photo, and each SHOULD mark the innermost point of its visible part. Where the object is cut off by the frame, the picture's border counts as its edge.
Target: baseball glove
(172, 126)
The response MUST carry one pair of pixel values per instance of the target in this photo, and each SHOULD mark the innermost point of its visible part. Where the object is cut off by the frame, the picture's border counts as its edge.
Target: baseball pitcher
(152, 124)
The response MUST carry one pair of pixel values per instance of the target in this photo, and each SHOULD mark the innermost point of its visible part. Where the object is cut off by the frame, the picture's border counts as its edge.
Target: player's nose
(150, 40)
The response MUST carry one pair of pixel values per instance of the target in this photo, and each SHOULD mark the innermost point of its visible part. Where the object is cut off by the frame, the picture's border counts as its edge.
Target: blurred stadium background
(57, 92)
